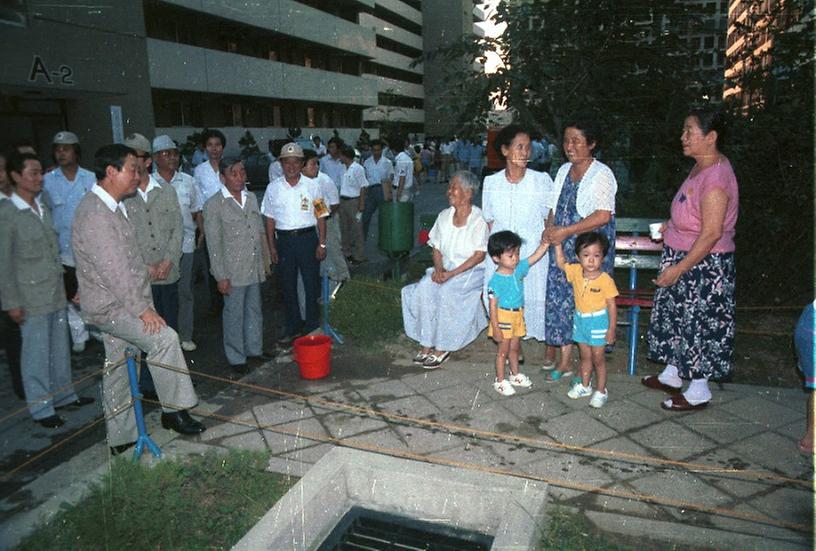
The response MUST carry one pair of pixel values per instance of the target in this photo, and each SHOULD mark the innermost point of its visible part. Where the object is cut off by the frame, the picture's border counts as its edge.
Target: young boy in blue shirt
(505, 292)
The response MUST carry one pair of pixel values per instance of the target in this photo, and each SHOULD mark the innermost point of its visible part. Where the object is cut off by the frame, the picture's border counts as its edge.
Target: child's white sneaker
(522, 380)
(578, 390)
(599, 399)
(504, 388)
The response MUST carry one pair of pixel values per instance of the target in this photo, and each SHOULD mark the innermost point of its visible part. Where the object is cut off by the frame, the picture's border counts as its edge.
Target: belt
(590, 314)
(519, 309)
(299, 231)
(347, 198)
(375, 185)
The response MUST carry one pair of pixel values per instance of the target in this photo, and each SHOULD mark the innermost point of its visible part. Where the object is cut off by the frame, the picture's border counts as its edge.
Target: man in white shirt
(295, 212)
(319, 148)
(65, 187)
(166, 156)
(403, 184)
(207, 180)
(331, 163)
(379, 172)
(352, 206)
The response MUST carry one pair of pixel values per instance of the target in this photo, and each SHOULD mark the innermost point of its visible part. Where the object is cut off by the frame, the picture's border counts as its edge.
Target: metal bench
(635, 250)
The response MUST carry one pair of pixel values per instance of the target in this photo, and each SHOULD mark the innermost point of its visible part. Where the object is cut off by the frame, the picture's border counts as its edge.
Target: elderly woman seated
(443, 310)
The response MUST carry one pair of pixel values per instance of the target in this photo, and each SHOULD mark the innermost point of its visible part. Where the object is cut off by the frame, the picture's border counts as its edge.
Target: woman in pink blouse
(692, 324)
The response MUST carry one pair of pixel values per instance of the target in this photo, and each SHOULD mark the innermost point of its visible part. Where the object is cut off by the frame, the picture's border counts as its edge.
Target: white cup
(654, 231)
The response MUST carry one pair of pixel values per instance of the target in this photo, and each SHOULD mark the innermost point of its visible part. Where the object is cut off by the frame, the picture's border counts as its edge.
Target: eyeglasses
(143, 156)
(168, 153)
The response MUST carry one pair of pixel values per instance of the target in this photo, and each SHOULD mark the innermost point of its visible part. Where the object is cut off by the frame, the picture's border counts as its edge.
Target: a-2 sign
(64, 75)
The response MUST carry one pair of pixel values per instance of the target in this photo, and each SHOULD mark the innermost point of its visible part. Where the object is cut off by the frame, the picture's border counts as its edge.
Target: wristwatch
(322, 245)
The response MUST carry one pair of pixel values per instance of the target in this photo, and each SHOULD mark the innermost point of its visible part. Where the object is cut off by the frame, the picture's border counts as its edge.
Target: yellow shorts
(511, 323)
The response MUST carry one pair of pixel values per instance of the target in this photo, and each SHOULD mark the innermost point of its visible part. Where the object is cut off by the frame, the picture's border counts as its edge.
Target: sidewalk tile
(767, 413)
(683, 487)
(577, 429)
(347, 425)
(624, 467)
(429, 380)
(427, 441)
(672, 441)
(788, 504)
(277, 413)
(622, 415)
(385, 391)
(775, 452)
(720, 425)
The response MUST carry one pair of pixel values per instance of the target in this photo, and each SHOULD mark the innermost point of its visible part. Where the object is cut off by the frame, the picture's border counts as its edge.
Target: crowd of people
(543, 251)
(110, 252)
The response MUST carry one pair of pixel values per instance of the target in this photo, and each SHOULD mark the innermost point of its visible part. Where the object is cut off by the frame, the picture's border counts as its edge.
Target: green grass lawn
(201, 502)
(368, 312)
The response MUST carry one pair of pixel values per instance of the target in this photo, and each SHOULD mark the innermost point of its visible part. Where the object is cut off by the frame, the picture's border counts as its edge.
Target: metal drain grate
(364, 530)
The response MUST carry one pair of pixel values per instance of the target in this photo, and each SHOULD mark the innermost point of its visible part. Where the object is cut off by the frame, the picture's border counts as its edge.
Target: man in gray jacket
(239, 260)
(155, 214)
(114, 286)
(33, 294)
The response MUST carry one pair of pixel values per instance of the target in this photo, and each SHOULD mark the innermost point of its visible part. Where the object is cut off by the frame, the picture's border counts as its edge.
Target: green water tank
(396, 223)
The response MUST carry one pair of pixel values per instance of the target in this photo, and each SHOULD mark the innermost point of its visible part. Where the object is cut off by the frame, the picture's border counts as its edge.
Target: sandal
(433, 361)
(420, 358)
(554, 376)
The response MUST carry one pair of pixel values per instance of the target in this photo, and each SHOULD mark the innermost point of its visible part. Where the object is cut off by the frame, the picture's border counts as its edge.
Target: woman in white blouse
(586, 202)
(519, 199)
(443, 311)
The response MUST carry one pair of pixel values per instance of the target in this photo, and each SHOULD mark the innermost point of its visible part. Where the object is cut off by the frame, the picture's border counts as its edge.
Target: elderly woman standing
(442, 311)
(692, 324)
(520, 199)
(586, 202)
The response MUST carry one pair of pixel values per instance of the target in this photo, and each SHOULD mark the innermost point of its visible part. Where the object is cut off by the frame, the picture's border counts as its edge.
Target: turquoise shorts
(590, 328)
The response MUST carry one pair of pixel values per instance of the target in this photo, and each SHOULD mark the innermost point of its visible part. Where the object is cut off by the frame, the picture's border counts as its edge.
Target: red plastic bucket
(313, 356)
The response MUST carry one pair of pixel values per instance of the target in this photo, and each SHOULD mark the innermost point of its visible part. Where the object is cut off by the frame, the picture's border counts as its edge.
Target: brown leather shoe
(654, 383)
(679, 403)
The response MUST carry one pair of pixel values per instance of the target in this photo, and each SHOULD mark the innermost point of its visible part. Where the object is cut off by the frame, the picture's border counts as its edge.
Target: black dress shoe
(122, 448)
(52, 422)
(241, 369)
(181, 422)
(78, 403)
(150, 395)
(263, 358)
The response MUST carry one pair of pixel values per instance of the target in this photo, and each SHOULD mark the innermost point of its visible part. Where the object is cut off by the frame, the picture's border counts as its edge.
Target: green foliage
(572, 532)
(206, 502)
(191, 143)
(367, 311)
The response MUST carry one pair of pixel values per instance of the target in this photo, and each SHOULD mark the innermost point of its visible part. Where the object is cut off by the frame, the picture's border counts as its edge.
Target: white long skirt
(446, 317)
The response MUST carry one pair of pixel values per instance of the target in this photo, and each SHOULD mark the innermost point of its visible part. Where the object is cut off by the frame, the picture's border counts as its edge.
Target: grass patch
(368, 311)
(202, 502)
(568, 531)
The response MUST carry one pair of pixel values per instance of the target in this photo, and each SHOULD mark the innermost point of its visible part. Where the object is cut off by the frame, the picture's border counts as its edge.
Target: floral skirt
(692, 324)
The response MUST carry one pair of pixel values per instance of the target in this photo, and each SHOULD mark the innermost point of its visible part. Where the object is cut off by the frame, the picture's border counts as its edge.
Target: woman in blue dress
(586, 202)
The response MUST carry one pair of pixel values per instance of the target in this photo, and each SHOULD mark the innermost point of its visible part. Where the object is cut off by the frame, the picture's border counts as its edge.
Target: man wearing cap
(166, 157)
(296, 212)
(115, 286)
(154, 212)
(65, 187)
(239, 262)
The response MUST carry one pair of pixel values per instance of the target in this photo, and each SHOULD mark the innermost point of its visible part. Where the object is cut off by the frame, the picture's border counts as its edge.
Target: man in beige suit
(114, 286)
(238, 261)
(33, 295)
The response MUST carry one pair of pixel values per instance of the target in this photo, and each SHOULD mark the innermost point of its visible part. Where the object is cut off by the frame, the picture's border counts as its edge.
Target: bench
(635, 250)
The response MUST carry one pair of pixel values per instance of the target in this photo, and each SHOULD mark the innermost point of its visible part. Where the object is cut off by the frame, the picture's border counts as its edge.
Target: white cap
(291, 150)
(163, 143)
(137, 141)
(65, 138)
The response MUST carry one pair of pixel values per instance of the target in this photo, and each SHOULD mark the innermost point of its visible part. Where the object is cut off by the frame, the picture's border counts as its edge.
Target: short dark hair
(591, 238)
(336, 141)
(15, 162)
(316, 137)
(213, 133)
(348, 151)
(588, 126)
(501, 242)
(110, 155)
(377, 143)
(506, 135)
(309, 154)
(711, 119)
(227, 162)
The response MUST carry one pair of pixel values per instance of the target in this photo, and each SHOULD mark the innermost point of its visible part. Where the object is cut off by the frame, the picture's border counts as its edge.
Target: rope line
(698, 468)
(578, 486)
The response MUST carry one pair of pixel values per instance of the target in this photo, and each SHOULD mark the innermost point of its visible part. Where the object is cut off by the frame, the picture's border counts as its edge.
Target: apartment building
(107, 68)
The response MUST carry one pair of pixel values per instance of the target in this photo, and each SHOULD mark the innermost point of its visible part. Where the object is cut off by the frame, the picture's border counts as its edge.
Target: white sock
(697, 392)
(670, 377)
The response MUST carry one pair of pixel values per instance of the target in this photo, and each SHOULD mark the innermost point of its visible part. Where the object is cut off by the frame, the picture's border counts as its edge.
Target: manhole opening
(363, 529)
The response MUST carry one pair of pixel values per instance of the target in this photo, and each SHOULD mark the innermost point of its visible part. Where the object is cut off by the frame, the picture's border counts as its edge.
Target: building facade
(105, 69)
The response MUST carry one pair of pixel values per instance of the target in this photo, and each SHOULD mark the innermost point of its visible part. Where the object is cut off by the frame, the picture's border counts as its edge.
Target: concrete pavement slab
(763, 409)
(671, 440)
(764, 449)
(577, 428)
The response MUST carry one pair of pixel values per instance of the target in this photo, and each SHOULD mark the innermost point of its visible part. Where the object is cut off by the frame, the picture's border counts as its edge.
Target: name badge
(304, 203)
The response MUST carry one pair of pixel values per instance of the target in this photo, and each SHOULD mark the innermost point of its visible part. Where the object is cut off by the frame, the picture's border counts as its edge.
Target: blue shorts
(590, 328)
(804, 338)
